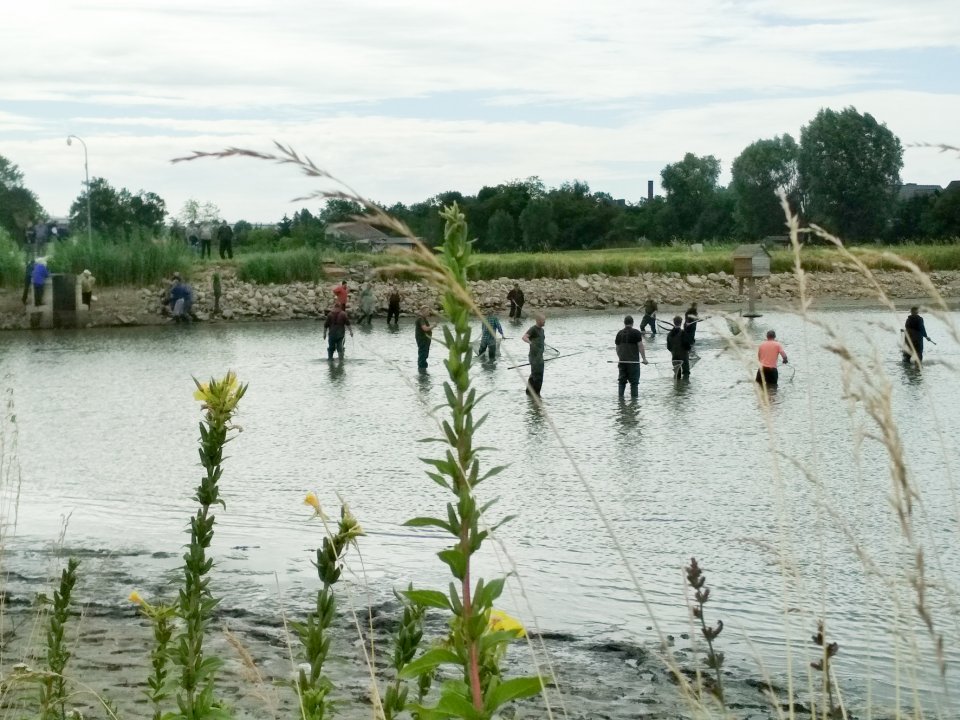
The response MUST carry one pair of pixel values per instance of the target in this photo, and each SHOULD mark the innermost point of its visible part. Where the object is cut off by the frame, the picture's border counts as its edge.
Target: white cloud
(143, 82)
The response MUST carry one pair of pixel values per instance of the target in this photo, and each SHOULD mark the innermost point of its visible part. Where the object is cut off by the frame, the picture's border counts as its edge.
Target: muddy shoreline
(245, 302)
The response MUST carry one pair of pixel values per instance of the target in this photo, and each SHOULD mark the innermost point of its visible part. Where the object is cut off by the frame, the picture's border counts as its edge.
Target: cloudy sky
(407, 99)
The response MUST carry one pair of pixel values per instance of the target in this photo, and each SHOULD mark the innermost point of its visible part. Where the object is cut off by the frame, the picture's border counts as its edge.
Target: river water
(785, 501)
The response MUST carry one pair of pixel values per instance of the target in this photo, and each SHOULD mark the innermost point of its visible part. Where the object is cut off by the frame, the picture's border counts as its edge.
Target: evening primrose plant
(195, 605)
(313, 686)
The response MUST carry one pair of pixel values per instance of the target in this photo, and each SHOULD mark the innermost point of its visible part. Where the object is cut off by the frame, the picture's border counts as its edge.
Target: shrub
(136, 263)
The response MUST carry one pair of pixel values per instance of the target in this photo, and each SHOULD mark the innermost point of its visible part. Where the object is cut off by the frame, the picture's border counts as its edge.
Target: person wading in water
(629, 343)
(535, 338)
(336, 325)
(768, 353)
(678, 343)
(916, 334)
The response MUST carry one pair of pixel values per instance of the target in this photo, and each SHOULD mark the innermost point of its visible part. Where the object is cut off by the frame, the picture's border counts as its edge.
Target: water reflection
(628, 416)
(336, 371)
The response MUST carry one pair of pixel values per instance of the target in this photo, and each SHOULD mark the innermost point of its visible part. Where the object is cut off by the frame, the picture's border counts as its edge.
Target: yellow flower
(223, 392)
(499, 620)
(135, 598)
(312, 500)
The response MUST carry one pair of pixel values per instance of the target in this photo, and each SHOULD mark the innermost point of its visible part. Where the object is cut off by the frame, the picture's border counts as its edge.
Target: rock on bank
(242, 301)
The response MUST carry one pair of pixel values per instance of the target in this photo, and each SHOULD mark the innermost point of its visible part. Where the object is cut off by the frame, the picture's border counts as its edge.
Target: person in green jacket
(535, 338)
(424, 334)
(367, 304)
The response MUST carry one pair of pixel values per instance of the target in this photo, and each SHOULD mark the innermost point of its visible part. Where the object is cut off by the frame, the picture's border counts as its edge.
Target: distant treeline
(843, 174)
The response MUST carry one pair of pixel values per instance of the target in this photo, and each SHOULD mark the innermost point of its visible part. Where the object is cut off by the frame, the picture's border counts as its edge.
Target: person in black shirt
(515, 297)
(649, 316)
(679, 346)
(423, 331)
(629, 343)
(916, 334)
(690, 319)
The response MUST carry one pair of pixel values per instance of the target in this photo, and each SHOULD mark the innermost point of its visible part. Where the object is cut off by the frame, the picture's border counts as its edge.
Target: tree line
(843, 174)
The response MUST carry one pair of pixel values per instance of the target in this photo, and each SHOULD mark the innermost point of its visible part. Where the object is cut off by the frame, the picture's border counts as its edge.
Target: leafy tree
(196, 213)
(764, 169)
(690, 185)
(946, 213)
(19, 206)
(241, 230)
(118, 213)
(500, 231)
(849, 172)
(285, 226)
(337, 211)
(539, 231)
(914, 218)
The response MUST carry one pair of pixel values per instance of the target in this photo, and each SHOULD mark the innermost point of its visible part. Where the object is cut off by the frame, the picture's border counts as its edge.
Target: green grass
(11, 262)
(134, 263)
(300, 265)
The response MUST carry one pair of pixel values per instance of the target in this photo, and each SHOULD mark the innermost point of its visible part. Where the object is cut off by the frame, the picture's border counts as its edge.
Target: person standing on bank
(206, 240)
(649, 316)
(225, 241)
(424, 334)
(690, 320)
(340, 293)
(39, 279)
(488, 335)
(336, 325)
(678, 343)
(367, 305)
(629, 344)
(393, 305)
(515, 297)
(87, 281)
(535, 337)
(28, 279)
(916, 334)
(768, 353)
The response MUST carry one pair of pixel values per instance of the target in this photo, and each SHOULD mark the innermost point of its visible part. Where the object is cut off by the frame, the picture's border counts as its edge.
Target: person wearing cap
(488, 335)
(87, 281)
(423, 332)
(769, 352)
(39, 279)
(630, 350)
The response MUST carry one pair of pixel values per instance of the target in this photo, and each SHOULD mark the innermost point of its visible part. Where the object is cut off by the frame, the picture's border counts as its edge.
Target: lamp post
(86, 174)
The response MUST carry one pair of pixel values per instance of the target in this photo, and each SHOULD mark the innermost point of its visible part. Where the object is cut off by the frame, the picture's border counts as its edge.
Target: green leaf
(513, 689)
(428, 598)
(457, 562)
(429, 661)
(458, 706)
(487, 594)
(428, 522)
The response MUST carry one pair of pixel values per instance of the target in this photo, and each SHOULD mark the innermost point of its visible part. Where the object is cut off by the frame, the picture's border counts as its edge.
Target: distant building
(908, 191)
(953, 186)
(364, 237)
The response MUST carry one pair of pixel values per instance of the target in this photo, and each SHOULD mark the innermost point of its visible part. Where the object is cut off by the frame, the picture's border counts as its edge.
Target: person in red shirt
(340, 293)
(768, 353)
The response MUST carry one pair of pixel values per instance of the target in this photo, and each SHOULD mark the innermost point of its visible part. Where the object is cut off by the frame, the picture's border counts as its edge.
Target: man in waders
(535, 338)
(916, 334)
(424, 335)
(393, 305)
(488, 336)
(515, 297)
(690, 320)
(768, 353)
(336, 327)
(678, 343)
(629, 344)
(649, 316)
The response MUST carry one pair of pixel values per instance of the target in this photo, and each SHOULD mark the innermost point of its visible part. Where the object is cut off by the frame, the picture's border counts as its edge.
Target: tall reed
(133, 263)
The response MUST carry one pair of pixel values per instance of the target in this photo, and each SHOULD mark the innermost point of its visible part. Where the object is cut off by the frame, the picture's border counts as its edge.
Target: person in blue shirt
(181, 300)
(488, 339)
(39, 279)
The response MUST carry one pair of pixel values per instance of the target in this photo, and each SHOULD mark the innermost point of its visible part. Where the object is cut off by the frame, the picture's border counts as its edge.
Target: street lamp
(86, 174)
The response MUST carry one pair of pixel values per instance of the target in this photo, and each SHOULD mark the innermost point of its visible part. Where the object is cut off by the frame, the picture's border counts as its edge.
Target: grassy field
(149, 262)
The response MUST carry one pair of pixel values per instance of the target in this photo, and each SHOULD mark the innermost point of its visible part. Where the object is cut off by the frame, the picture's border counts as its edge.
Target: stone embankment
(246, 301)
